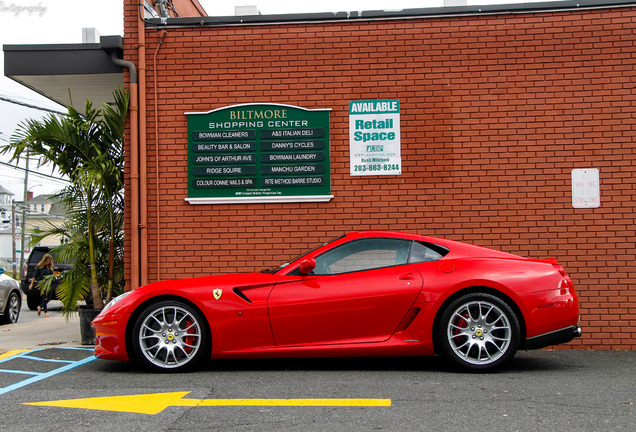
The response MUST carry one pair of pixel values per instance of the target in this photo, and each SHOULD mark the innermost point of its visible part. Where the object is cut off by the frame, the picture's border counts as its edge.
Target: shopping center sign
(258, 153)
(374, 137)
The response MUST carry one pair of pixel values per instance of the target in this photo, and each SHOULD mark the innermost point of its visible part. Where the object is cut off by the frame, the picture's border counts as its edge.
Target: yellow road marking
(12, 353)
(156, 402)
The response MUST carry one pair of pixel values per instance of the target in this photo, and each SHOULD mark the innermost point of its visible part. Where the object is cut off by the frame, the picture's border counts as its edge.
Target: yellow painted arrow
(156, 402)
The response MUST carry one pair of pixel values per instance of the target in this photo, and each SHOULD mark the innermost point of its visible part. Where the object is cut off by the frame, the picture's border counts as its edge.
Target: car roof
(457, 248)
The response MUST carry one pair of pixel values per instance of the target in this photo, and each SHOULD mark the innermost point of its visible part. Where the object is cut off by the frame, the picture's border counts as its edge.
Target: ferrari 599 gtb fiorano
(373, 293)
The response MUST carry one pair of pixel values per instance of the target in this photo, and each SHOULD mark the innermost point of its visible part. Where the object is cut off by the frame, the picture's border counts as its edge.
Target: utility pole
(13, 239)
(24, 210)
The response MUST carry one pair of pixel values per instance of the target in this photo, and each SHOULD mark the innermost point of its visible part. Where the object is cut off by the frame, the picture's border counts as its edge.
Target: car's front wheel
(169, 336)
(12, 309)
(479, 332)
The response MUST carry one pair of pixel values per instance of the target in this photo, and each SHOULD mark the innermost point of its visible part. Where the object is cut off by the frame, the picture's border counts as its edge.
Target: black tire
(12, 309)
(169, 336)
(479, 332)
(33, 301)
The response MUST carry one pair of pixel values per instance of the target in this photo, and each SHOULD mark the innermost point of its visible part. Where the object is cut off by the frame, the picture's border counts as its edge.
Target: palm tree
(77, 282)
(88, 148)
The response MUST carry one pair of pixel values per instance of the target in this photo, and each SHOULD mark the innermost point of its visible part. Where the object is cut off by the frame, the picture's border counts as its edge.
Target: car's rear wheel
(479, 332)
(12, 309)
(169, 336)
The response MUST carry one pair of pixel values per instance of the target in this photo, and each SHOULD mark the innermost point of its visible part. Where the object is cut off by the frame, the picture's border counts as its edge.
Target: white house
(42, 212)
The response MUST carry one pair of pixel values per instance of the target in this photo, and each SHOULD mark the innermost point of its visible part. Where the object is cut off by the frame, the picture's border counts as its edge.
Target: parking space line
(18, 372)
(39, 376)
(45, 360)
(12, 353)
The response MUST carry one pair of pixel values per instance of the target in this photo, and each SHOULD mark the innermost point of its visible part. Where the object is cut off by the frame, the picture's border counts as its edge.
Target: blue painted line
(41, 376)
(75, 348)
(12, 371)
(47, 360)
(16, 356)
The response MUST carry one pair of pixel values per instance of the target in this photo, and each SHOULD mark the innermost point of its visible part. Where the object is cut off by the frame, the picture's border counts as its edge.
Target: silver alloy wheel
(170, 337)
(479, 332)
(13, 308)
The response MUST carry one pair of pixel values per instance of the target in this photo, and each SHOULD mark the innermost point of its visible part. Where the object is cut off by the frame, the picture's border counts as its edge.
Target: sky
(42, 22)
(61, 21)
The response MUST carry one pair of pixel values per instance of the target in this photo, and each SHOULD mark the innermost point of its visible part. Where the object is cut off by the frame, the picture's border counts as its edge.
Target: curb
(57, 331)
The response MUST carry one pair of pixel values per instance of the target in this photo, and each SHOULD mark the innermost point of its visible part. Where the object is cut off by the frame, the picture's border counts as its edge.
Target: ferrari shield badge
(217, 293)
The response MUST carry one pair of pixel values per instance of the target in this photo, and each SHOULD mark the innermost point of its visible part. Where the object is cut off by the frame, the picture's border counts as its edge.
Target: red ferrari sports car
(373, 293)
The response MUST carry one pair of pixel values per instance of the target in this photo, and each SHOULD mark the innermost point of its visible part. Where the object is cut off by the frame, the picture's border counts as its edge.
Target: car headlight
(115, 300)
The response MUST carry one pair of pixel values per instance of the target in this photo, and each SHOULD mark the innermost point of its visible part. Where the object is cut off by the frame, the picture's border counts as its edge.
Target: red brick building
(498, 105)
(497, 108)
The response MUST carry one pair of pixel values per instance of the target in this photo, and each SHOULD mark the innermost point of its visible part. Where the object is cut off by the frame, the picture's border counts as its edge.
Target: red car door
(364, 305)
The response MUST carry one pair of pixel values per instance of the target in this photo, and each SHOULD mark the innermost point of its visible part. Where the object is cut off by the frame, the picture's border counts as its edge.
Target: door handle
(407, 276)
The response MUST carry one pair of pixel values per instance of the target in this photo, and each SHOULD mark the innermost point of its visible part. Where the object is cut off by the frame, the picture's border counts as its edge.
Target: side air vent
(408, 319)
(240, 293)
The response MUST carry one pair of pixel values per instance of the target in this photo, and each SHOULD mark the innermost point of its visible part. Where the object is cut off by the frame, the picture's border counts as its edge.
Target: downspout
(134, 168)
(157, 196)
(143, 198)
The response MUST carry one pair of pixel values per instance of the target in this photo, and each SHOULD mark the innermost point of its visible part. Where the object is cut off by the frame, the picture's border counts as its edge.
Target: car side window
(364, 254)
(425, 252)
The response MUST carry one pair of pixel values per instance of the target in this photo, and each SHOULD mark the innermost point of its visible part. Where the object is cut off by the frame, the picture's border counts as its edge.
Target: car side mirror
(307, 266)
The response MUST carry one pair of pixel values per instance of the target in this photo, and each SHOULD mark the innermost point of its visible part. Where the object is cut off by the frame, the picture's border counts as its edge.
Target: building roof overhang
(68, 73)
(367, 15)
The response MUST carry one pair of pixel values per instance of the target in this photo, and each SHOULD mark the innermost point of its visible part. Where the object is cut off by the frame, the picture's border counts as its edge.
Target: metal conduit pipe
(157, 206)
(143, 175)
(134, 168)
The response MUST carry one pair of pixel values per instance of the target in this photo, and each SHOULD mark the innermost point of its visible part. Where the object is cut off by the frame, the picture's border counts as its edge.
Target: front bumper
(110, 336)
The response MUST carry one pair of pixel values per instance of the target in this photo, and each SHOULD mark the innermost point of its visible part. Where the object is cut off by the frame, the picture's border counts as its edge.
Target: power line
(28, 105)
(35, 172)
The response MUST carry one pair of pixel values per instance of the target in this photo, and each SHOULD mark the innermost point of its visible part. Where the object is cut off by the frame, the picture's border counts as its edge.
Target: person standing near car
(44, 268)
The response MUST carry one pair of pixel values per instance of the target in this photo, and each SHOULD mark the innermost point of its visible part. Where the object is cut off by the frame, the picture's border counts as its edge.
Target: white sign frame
(586, 188)
(374, 137)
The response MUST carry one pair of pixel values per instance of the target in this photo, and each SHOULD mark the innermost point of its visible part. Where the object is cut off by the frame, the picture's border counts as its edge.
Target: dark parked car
(33, 296)
(10, 299)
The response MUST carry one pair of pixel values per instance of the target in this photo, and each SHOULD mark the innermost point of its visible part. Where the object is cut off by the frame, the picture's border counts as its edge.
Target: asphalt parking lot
(538, 390)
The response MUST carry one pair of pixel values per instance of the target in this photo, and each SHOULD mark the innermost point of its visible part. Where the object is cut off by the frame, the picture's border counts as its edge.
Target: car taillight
(567, 281)
(25, 268)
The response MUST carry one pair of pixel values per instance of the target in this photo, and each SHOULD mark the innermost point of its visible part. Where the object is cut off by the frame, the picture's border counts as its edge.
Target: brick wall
(495, 113)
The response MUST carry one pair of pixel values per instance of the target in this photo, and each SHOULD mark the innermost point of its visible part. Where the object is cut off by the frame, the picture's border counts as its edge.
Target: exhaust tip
(577, 332)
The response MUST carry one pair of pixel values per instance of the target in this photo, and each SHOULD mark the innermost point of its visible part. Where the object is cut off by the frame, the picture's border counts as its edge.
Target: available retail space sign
(374, 137)
(586, 188)
(258, 153)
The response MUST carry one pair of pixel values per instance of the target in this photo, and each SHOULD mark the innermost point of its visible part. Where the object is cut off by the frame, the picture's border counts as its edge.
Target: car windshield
(282, 266)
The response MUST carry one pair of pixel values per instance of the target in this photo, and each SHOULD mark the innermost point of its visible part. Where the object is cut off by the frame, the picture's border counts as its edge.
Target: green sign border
(259, 152)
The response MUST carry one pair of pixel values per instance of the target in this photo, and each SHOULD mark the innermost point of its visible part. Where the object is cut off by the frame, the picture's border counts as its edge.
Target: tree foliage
(89, 149)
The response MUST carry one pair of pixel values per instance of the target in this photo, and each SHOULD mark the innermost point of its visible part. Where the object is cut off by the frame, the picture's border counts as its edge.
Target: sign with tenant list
(374, 137)
(258, 153)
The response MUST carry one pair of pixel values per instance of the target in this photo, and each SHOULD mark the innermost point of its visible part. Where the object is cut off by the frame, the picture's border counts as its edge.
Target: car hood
(8, 279)
(189, 288)
(233, 279)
